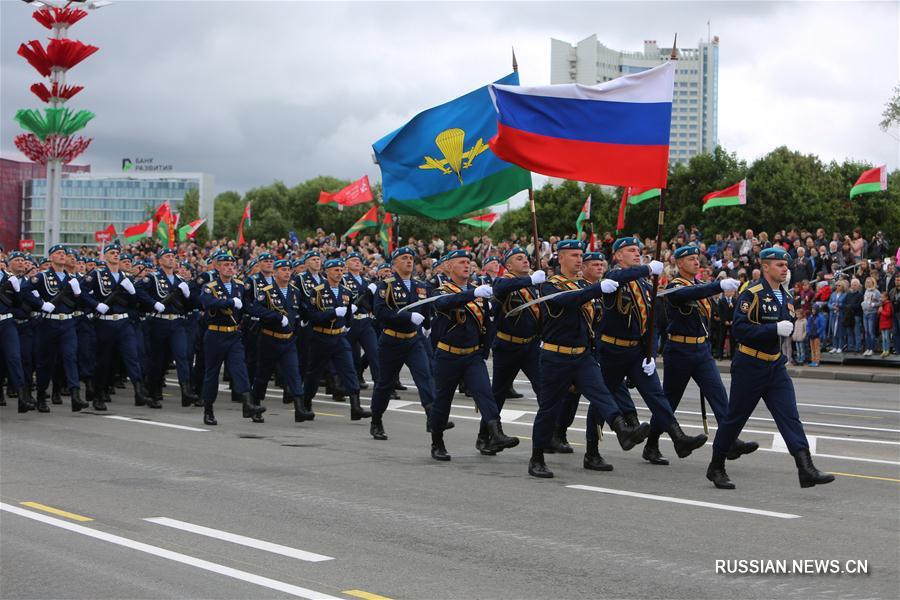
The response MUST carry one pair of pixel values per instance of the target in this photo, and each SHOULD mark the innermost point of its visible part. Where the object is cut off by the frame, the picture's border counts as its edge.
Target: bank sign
(143, 164)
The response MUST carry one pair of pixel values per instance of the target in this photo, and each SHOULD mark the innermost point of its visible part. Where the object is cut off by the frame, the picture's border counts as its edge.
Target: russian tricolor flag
(614, 133)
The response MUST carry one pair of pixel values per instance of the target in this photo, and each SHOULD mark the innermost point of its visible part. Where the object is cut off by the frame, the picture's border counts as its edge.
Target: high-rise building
(696, 97)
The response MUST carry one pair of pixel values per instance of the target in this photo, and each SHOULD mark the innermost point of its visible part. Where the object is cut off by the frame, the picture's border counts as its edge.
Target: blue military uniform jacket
(10, 300)
(568, 319)
(155, 287)
(271, 304)
(391, 296)
(46, 286)
(626, 311)
(461, 320)
(755, 316)
(307, 283)
(511, 292)
(688, 308)
(101, 286)
(216, 301)
(361, 296)
(321, 303)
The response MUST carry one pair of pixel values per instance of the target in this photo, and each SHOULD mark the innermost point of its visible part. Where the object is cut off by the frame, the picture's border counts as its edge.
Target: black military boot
(301, 414)
(631, 419)
(394, 395)
(558, 443)
(592, 459)
(41, 402)
(108, 392)
(537, 467)
(376, 428)
(629, 436)
(450, 424)
(140, 394)
(685, 444)
(399, 386)
(357, 412)
(2, 396)
(512, 394)
(739, 448)
(120, 382)
(481, 442)
(307, 404)
(235, 397)
(438, 450)
(55, 396)
(286, 398)
(257, 403)
(362, 382)
(92, 395)
(715, 472)
(651, 451)
(809, 474)
(104, 394)
(499, 441)
(150, 399)
(77, 403)
(249, 408)
(157, 391)
(11, 392)
(24, 397)
(209, 418)
(188, 398)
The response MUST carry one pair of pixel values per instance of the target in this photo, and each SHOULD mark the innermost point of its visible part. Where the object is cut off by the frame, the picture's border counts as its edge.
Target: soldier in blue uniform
(265, 263)
(401, 340)
(460, 333)
(223, 300)
(566, 357)
(362, 331)
(10, 346)
(763, 316)
(624, 324)
(86, 332)
(687, 351)
(56, 296)
(516, 343)
(330, 307)
(197, 285)
(278, 306)
(168, 295)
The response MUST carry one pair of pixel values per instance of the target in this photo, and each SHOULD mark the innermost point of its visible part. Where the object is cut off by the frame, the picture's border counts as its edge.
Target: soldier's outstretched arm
(449, 301)
(504, 286)
(688, 293)
(629, 274)
(573, 298)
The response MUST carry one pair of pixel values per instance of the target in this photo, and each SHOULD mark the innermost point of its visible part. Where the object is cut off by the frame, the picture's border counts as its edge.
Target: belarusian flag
(481, 221)
(636, 195)
(584, 215)
(165, 231)
(190, 229)
(244, 217)
(873, 180)
(370, 219)
(138, 232)
(386, 234)
(734, 195)
(356, 193)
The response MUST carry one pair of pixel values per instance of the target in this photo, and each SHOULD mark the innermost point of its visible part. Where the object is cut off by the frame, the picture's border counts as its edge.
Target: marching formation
(71, 322)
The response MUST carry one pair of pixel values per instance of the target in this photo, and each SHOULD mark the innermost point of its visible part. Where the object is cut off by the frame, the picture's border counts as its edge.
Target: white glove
(340, 311)
(353, 308)
(47, 307)
(184, 289)
(159, 307)
(717, 264)
(416, 318)
(236, 302)
(484, 291)
(730, 284)
(608, 286)
(656, 267)
(373, 288)
(102, 308)
(427, 332)
(649, 366)
(784, 328)
(284, 321)
(126, 283)
(304, 323)
(15, 282)
(76, 287)
(730, 266)
(538, 277)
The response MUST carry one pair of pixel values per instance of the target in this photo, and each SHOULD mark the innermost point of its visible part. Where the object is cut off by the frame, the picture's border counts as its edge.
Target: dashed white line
(156, 423)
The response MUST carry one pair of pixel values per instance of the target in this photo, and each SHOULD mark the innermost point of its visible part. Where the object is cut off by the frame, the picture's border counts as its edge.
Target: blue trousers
(168, 339)
(509, 359)
(393, 353)
(56, 340)
(594, 420)
(752, 379)
(12, 352)
(584, 373)
(221, 347)
(250, 339)
(617, 364)
(334, 349)
(86, 330)
(693, 361)
(117, 339)
(362, 335)
(281, 354)
(449, 370)
(26, 348)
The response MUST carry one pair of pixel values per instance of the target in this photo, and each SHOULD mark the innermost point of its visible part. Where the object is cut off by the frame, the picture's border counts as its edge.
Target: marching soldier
(10, 346)
(278, 307)
(362, 331)
(223, 300)
(86, 333)
(687, 352)
(566, 359)
(265, 264)
(168, 295)
(621, 354)
(758, 370)
(19, 266)
(329, 308)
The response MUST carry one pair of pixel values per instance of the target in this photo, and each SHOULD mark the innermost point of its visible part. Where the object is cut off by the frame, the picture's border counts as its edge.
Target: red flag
(245, 217)
(356, 193)
(370, 219)
(386, 234)
(161, 213)
(620, 223)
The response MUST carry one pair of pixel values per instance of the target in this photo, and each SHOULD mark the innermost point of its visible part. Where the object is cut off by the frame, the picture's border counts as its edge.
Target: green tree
(891, 114)
(190, 211)
(228, 211)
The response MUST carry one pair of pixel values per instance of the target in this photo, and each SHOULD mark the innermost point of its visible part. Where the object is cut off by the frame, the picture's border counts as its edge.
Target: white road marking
(741, 509)
(272, 584)
(399, 403)
(508, 415)
(240, 539)
(779, 445)
(157, 423)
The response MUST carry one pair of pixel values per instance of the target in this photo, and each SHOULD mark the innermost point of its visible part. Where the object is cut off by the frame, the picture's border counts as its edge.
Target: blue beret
(126, 256)
(774, 253)
(265, 256)
(90, 259)
(101, 263)
(491, 259)
(401, 251)
(686, 251)
(458, 253)
(78, 257)
(282, 263)
(625, 242)
(569, 245)
(56, 247)
(111, 247)
(297, 263)
(16, 254)
(253, 262)
(354, 255)
(383, 266)
(224, 256)
(71, 251)
(43, 260)
(588, 256)
(512, 252)
(163, 251)
(333, 262)
(311, 253)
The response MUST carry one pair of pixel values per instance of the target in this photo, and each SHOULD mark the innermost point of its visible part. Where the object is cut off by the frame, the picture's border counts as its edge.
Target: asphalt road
(325, 511)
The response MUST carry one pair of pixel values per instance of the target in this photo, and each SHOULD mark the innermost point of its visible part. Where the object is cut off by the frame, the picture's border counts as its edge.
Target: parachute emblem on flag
(451, 143)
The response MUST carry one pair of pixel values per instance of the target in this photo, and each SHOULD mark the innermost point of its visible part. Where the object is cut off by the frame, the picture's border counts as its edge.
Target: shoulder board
(238, 281)
(681, 281)
(211, 284)
(388, 279)
(321, 286)
(266, 288)
(755, 289)
(293, 286)
(557, 279)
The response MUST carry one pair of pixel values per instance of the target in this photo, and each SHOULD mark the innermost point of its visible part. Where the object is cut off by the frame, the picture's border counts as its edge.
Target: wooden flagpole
(534, 225)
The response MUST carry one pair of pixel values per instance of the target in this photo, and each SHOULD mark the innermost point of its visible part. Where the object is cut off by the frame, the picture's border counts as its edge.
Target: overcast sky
(254, 92)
